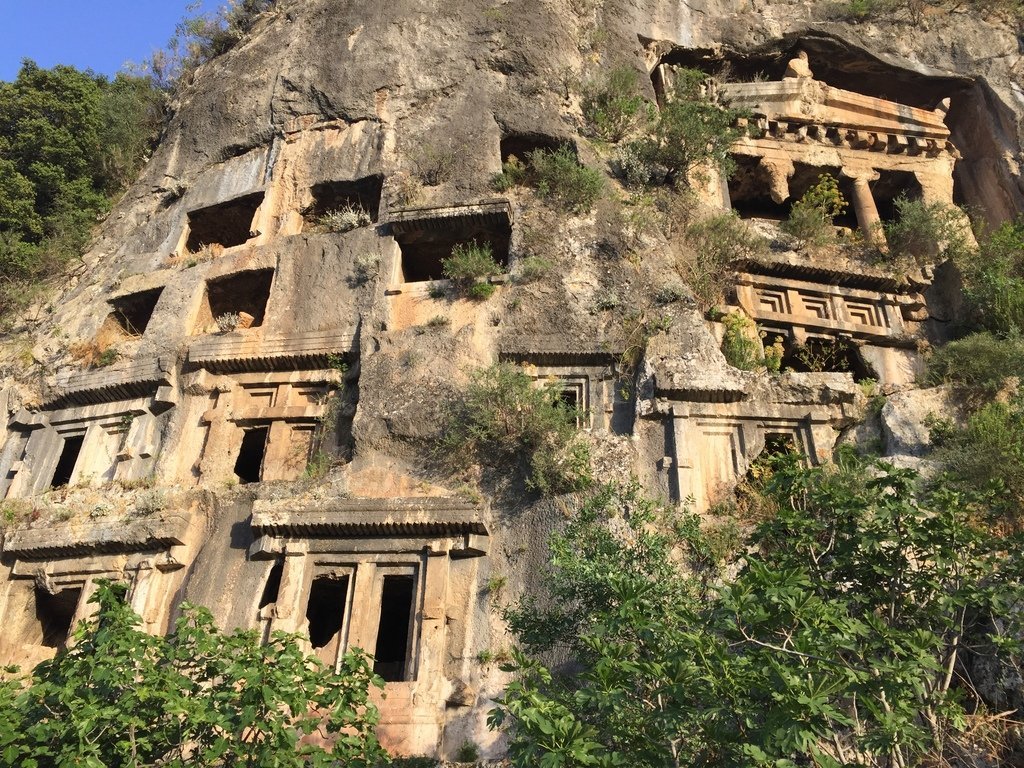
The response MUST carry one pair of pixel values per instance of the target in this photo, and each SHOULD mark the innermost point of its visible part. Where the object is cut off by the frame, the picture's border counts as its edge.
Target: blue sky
(97, 34)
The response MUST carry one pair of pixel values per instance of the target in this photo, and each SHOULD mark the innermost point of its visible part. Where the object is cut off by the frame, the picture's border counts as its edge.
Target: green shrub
(504, 418)
(468, 753)
(922, 232)
(691, 131)
(513, 174)
(739, 345)
(987, 453)
(811, 217)
(560, 179)
(994, 279)
(344, 219)
(533, 268)
(715, 242)
(613, 104)
(469, 264)
(980, 363)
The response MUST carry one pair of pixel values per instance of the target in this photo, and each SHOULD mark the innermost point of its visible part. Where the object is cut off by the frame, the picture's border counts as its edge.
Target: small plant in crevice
(810, 218)
(740, 343)
(227, 322)
(345, 219)
(505, 418)
(469, 264)
(435, 164)
(638, 328)
(318, 465)
(824, 356)
(532, 268)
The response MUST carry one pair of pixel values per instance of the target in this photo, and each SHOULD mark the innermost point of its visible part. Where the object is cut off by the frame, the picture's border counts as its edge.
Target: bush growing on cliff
(716, 242)
(810, 218)
(505, 419)
(994, 279)
(468, 265)
(691, 131)
(980, 364)
(199, 698)
(612, 104)
(560, 178)
(923, 232)
(841, 639)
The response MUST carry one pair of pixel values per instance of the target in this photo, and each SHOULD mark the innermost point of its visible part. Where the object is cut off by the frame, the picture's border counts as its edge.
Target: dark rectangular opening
(325, 613)
(132, 313)
(391, 656)
(241, 293)
(272, 588)
(891, 186)
(424, 250)
(249, 464)
(520, 145)
(333, 196)
(69, 452)
(570, 398)
(55, 614)
(225, 224)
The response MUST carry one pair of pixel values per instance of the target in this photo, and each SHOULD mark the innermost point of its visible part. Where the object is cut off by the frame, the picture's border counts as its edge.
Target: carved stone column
(864, 205)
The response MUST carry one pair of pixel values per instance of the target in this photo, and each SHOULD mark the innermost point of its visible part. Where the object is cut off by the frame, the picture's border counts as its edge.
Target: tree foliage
(691, 131)
(69, 141)
(120, 698)
(839, 641)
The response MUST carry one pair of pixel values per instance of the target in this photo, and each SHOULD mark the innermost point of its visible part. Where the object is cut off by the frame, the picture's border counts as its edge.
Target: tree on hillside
(841, 639)
(120, 698)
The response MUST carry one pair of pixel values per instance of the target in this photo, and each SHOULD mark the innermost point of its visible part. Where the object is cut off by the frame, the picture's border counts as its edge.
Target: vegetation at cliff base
(121, 698)
(849, 632)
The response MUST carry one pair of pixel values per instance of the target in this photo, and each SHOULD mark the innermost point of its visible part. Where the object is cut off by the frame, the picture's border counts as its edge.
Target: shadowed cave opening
(325, 613)
(241, 293)
(131, 314)
(391, 657)
(69, 453)
(272, 589)
(55, 613)
(425, 249)
(329, 196)
(226, 224)
(249, 464)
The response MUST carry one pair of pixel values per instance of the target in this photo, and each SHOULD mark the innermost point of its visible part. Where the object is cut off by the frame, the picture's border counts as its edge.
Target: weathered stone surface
(905, 418)
(325, 411)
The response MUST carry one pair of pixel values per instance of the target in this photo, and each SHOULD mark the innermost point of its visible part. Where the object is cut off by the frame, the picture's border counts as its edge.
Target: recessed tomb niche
(235, 301)
(249, 464)
(334, 196)
(520, 145)
(272, 587)
(427, 236)
(325, 612)
(55, 614)
(891, 186)
(130, 315)
(391, 659)
(226, 224)
(71, 448)
(823, 354)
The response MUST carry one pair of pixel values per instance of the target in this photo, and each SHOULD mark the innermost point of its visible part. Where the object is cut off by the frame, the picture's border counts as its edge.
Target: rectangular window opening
(325, 612)
(131, 314)
(333, 198)
(69, 452)
(272, 588)
(226, 224)
(392, 657)
(55, 614)
(236, 301)
(249, 464)
(425, 249)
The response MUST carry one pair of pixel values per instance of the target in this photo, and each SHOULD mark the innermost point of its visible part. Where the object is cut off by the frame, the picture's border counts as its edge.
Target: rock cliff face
(262, 442)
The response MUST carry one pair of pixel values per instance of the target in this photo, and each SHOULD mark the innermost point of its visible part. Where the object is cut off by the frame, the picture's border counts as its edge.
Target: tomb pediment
(86, 539)
(118, 382)
(804, 101)
(485, 215)
(241, 351)
(392, 519)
